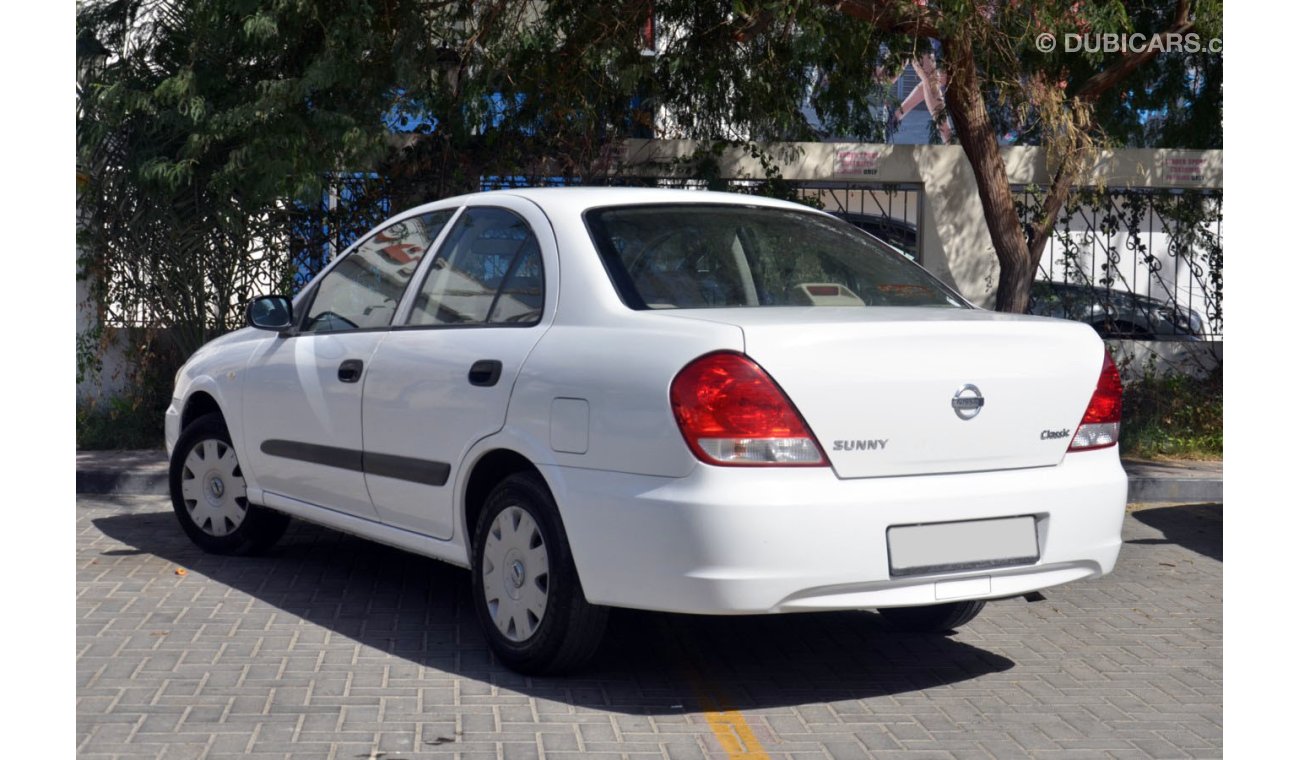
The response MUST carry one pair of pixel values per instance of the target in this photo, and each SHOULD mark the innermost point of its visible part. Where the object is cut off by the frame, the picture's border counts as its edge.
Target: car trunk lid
(915, 391)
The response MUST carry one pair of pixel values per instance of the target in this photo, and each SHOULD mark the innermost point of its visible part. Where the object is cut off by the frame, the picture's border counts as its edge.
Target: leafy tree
(199, 126)
(747, 64)
(211, 130)
(569, 78)
(995, 65)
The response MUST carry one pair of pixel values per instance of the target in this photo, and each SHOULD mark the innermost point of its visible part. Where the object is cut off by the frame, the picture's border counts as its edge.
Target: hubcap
(516, 574)
(212, 487)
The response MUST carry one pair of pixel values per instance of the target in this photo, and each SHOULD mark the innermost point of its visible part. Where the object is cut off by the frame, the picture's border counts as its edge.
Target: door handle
(350, 370)
(485, 373)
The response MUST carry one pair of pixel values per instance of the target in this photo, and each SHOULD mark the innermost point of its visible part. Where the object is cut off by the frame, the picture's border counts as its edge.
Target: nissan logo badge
(967, 402)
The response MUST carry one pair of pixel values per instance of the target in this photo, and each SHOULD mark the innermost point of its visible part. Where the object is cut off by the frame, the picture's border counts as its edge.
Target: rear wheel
(526, 589)
(210, 497)
(934, 618)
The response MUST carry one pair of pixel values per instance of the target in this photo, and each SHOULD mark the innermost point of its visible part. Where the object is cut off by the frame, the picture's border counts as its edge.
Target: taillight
(1100, 425)
(731, 413)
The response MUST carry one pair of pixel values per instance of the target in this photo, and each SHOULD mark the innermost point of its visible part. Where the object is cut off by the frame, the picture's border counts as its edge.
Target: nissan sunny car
(665, 400)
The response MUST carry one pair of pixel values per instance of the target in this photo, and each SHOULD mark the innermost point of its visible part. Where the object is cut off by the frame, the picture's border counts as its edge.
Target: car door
(441, 381)
(302, 397)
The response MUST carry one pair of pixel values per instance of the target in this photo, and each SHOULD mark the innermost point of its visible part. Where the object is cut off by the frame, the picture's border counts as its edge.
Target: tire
(526, 590)
(209, 494)
(933, 618)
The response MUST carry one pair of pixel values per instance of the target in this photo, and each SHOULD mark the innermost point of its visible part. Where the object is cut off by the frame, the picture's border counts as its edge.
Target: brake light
(1100, 425)
(731, 413)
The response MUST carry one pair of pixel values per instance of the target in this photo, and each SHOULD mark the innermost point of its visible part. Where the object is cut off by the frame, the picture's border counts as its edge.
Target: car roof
(575, 200)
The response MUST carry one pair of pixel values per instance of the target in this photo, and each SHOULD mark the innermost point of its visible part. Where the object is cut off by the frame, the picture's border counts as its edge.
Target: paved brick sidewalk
(338, 648)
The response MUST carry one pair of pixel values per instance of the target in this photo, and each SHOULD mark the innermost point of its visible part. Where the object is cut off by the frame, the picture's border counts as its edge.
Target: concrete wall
(112, 381)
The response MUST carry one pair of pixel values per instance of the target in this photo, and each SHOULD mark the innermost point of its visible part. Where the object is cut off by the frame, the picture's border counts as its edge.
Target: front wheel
(210, 497)
(933, 618)
(526, 589)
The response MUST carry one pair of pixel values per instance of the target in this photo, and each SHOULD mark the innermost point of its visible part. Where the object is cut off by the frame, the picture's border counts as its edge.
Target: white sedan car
(665, 400)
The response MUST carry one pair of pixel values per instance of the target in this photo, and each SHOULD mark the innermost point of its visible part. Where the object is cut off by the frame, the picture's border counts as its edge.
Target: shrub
(120, 423)
(1174, 415)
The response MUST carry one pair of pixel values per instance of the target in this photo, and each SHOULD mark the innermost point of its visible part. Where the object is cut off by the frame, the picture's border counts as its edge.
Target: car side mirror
(271, 313)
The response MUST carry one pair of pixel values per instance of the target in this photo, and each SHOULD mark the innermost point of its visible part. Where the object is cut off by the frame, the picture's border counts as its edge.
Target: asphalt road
(333, 647)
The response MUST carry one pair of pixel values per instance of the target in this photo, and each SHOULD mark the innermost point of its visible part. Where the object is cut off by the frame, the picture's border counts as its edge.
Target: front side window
(709, 256)
(363, 289)
(489, 271)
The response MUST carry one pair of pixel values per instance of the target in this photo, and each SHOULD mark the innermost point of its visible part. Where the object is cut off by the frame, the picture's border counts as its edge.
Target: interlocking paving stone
(332, 647)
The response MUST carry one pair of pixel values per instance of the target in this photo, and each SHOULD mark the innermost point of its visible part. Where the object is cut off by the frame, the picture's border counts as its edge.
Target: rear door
(442, 379)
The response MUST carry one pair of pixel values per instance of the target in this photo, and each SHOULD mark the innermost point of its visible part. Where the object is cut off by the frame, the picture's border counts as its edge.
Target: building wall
(112, 380)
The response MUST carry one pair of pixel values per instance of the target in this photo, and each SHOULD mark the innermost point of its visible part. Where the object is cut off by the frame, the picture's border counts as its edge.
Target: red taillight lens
(1100, 425)
(731, 413)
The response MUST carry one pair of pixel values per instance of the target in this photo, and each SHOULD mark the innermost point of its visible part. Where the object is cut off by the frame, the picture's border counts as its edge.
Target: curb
(118, 482)
(1175, 490)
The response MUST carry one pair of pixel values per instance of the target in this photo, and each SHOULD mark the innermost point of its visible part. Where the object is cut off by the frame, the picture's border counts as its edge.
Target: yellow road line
(735, 735)
(731, 728)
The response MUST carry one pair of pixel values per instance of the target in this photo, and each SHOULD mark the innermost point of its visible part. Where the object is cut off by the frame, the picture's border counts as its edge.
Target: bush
(121, 423)
(1173, 416)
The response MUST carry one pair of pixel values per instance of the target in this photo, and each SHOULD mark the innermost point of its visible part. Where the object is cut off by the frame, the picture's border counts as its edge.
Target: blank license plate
(966, 545)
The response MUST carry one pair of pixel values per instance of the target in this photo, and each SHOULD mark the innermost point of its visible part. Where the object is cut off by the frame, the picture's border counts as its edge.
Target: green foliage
(1182, 92)
(122, 423)
(1176, 416)
(200, 127)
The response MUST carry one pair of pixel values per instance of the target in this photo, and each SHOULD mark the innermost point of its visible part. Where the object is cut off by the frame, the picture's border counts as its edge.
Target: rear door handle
(350, 370)
(485, 373)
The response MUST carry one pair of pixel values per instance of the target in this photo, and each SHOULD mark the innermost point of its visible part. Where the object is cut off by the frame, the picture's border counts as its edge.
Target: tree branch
(1102, 81)
(1089, 93)
(888, 17)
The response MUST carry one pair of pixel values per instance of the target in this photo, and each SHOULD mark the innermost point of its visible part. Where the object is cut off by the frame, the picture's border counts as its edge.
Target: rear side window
(489, 271)
(362, 290)
(710, 256)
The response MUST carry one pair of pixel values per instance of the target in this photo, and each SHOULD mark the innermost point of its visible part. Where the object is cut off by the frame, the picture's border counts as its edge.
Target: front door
(302, 406)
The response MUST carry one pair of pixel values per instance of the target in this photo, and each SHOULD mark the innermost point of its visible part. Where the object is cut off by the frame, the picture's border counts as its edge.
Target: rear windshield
(693, 256)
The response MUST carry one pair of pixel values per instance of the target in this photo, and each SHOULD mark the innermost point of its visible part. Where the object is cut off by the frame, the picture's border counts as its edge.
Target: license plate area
(963, 545)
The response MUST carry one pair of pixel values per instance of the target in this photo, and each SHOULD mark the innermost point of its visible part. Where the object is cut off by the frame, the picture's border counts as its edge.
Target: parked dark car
(898, 233)
(1115, 313)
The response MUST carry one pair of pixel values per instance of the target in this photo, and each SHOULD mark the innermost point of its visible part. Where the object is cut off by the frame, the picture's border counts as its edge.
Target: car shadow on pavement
(420, 610)
(1198, 527)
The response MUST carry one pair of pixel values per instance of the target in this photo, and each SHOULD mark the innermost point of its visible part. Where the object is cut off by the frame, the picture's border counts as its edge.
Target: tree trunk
(1045, 222)
(980, 144)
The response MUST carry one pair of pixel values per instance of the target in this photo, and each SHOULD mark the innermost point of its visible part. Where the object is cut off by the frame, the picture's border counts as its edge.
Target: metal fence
(1142, 263)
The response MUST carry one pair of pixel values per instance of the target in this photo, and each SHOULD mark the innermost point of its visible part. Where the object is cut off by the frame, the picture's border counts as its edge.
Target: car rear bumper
(735, 540)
